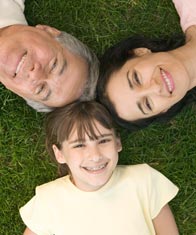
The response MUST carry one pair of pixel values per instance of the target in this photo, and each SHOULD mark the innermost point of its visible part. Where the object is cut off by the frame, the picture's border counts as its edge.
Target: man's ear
(58, 154)
(52, 31)
(140, 51)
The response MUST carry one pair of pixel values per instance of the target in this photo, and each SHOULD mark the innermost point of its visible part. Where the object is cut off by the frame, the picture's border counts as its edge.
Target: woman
(143, 80)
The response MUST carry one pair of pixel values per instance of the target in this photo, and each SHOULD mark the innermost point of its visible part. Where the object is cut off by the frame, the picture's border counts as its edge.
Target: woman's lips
(168, 80)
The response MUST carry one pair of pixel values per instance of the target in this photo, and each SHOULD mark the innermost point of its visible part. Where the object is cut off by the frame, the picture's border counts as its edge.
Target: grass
(170, 147)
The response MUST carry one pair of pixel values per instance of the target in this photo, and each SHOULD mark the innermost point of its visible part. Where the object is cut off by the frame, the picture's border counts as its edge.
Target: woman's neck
(187, 55)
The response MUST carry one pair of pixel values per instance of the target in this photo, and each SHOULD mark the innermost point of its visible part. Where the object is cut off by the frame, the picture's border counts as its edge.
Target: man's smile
(20, 63)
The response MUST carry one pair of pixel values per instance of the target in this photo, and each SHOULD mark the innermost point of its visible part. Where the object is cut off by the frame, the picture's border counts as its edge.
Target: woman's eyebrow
(129, 80)
(141, 108)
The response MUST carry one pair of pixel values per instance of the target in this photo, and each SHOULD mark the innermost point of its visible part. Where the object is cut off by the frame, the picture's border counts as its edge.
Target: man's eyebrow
(63, 67)
(129, 81)
(46, 98)
(83, 140)
(140, 108)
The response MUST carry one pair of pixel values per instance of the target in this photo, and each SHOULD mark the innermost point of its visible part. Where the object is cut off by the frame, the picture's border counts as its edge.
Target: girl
(96, 196)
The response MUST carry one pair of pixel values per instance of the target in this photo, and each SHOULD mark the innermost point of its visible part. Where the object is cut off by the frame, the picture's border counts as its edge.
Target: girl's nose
(94, 154)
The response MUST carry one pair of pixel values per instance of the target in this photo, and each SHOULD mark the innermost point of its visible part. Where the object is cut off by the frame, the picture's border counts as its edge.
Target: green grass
(170, 148)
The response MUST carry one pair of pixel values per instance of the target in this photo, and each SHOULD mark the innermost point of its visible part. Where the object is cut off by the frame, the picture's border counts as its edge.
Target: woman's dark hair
(79, 116)
(116, 56)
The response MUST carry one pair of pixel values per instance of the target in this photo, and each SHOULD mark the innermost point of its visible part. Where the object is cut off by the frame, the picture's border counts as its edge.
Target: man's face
(34, 65)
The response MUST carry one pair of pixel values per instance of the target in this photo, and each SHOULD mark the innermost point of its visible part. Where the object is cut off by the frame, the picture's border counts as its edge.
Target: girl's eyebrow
(83, 140)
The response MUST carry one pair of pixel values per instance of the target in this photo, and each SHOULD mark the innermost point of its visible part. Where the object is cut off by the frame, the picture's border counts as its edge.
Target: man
(46, 67)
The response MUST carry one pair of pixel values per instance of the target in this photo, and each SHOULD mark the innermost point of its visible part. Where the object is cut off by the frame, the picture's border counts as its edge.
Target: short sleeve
(187, 12)
(34, 216)
(162, 190)
(12, 12)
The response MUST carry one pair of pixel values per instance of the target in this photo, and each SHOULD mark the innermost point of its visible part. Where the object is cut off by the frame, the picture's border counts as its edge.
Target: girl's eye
(136, 78)
(148, 105)
(103, 141)
(78, 146)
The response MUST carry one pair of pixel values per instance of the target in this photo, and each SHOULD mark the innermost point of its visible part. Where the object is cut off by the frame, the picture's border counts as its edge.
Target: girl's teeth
(95, 168)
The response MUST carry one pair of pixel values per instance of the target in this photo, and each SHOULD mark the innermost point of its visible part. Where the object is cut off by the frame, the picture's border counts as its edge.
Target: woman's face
(147, 85)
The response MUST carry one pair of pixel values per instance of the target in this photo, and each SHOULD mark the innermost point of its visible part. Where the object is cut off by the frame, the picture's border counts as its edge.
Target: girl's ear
(140, 51)
(58, 154)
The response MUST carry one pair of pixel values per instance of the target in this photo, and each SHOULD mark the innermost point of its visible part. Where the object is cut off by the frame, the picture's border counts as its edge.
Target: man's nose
(36, 72)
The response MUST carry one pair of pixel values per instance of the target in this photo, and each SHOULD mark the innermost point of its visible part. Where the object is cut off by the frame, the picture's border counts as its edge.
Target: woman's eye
(148, 105)
(136, 78)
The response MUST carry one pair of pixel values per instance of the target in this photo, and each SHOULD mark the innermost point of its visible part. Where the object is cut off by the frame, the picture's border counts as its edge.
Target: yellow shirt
(126, 205)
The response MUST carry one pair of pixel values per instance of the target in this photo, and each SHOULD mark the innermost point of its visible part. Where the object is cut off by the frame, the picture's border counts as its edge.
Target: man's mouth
(21, 62)
(96, 169)
(168, 80)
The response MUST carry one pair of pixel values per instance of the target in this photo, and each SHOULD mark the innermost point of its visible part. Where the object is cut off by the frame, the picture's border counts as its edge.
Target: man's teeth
(20, 64)
(95, 168)
(167, 81)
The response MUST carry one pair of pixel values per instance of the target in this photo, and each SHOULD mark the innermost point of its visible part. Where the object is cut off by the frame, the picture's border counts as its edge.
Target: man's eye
(40, 88)
(148, 105)
(54, 65)
(136, 78)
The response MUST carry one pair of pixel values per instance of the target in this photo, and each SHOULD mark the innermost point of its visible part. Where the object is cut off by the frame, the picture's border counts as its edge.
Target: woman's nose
(153, 86)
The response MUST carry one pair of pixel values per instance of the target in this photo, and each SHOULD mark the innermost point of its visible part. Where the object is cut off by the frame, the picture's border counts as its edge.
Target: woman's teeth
(168, 81)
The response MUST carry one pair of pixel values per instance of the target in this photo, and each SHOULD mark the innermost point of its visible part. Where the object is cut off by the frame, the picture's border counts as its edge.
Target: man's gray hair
(76, 47)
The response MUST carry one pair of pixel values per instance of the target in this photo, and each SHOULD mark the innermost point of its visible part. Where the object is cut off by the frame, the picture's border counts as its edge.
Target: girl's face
(148, 85)
(91, 162)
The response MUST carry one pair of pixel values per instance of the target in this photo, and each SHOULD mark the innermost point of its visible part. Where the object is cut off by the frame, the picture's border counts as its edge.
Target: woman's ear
(58, 154)
(140, 51)
(50, 30)
(119, 145)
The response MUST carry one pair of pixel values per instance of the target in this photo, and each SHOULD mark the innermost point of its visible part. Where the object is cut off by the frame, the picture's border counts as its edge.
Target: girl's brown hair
(80, 116)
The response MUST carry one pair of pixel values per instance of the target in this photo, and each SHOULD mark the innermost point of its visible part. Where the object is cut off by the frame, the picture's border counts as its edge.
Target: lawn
(169, 147)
